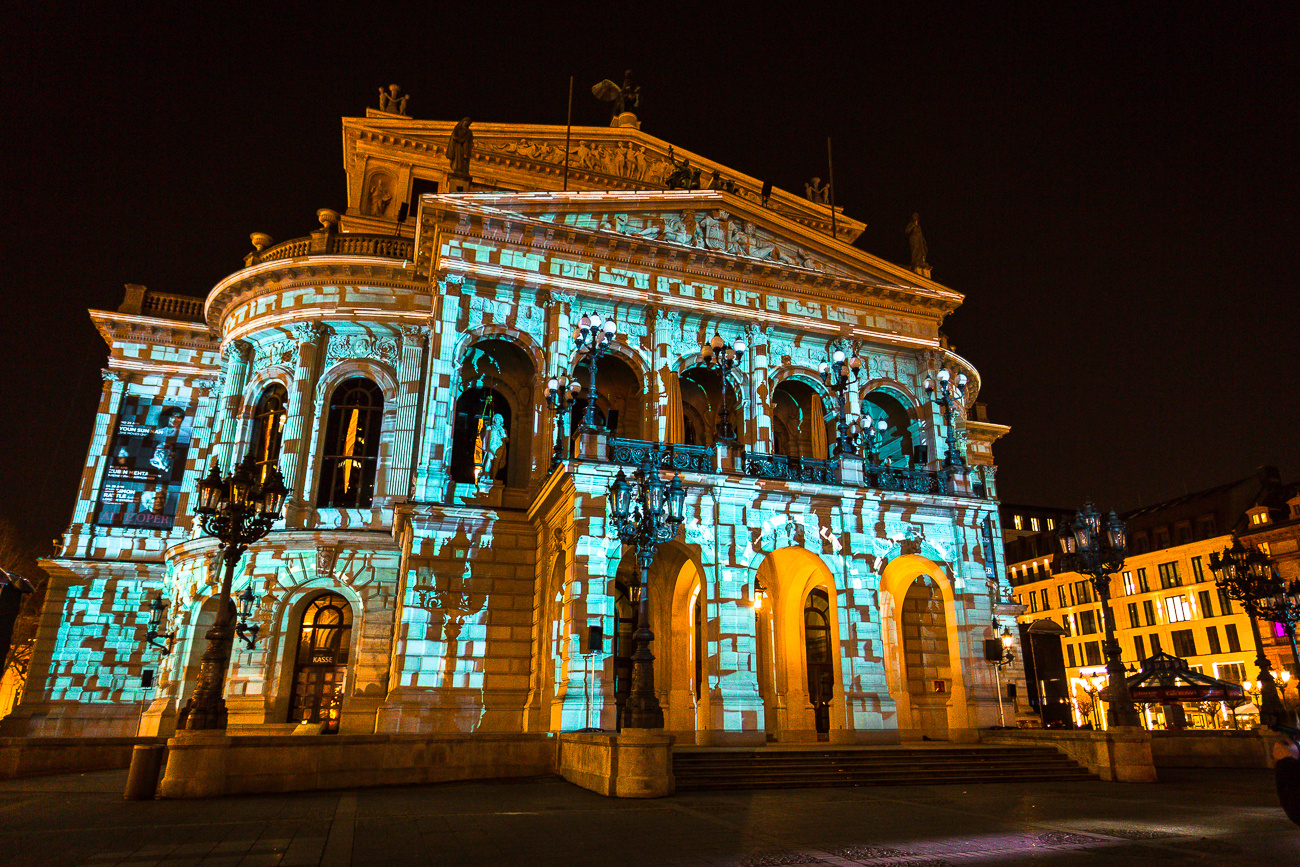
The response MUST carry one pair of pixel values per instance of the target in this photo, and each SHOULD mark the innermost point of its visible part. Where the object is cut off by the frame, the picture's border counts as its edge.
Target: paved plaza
(1191, 817)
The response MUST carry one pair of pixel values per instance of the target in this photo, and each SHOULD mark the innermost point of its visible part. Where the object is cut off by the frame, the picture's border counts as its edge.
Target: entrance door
(821, 667)
(322, 662)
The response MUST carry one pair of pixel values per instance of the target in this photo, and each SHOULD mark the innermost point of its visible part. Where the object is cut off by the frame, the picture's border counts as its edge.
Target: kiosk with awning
(1166, 679)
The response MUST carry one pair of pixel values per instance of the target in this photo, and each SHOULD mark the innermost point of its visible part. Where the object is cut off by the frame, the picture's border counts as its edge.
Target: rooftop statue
(684, 176)
(626, 98)
(391, 101)
(816, 191)
(459, 147)
(917, 242)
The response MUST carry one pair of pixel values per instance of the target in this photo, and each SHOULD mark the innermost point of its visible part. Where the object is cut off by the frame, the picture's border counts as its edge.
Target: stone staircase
(702, 768)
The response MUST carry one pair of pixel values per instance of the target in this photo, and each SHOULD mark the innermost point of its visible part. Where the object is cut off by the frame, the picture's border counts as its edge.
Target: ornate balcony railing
(339, 244)
(908, 480)
(670, 456)
(790, 469)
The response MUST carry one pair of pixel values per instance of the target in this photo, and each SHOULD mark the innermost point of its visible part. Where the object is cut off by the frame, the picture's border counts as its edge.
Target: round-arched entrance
(321, 662)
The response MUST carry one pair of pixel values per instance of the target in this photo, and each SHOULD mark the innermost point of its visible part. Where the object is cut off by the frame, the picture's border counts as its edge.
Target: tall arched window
(268, 428)
(821, 664)
(351, 456)
(321, 665)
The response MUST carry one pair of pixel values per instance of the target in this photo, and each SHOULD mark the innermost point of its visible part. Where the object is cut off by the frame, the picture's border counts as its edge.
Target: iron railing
(670, 456)
(790, 469)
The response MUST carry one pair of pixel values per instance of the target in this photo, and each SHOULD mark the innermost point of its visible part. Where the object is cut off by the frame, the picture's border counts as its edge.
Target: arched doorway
(620, 398)
(477, 414)
(496, 404)
(820, 660)
(321, 662)
(926, 660)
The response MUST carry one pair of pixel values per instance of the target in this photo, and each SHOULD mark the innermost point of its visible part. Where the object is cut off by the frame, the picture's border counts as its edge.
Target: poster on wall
(142, 485)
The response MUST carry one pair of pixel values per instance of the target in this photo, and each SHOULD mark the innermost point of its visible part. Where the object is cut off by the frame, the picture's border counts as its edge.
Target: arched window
(321, 665)
(268, 428)
(481, 436)
(821, 664)
(347, 477)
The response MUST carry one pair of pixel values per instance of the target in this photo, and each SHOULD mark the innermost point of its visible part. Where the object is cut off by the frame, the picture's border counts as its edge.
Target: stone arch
(788, 575)
(383, 376)
(682, 657)
(904, 439)
(282, 639)
(802, 413)
(920, 716)
(622, 385)
(503, 367)
(522, 339)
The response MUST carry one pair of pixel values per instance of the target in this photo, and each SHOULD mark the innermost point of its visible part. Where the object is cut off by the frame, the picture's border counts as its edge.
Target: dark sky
(1115, 194)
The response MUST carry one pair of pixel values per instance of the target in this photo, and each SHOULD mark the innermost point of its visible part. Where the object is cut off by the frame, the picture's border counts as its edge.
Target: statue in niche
(459, 147)
(392, 101)
(625, 98)
(377, 196)
(490, 445)
(916, 241)
(816, 191)
(683, 176)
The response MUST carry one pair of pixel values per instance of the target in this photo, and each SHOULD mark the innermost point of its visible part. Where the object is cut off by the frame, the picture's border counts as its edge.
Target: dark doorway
(475, 410)
(821, 666)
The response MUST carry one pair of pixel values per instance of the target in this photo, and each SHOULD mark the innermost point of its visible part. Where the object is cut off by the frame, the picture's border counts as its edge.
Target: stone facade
(467, 599)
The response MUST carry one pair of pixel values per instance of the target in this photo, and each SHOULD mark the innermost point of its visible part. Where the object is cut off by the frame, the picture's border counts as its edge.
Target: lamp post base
(642, 710)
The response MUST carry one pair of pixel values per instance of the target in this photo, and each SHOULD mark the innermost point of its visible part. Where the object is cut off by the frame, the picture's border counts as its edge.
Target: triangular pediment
(705, 224)
(528, 157)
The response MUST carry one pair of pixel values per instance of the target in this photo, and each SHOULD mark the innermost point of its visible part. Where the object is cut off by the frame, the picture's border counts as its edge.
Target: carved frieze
(347, 346)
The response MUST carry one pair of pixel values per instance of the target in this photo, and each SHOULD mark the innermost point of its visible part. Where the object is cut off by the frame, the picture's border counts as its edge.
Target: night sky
(1115, 195)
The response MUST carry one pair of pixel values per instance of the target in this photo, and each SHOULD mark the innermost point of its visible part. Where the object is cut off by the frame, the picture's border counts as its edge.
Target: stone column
(414, 340)
(668, 424)
(238, 354)
(433, 475)
(760, 404)
(301, 409)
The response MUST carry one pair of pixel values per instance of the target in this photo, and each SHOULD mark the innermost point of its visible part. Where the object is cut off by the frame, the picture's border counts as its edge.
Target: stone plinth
(1120, 755)
(207, 764)
(635, 763)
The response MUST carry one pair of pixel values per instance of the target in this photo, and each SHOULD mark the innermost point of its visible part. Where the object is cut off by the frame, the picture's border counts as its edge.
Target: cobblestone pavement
(1191, 817)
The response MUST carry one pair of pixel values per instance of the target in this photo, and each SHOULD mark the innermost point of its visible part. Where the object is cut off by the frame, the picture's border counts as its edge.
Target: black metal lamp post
(238, 511)
(870, 438)
(594, 337)
(152, 635)
(1284, 607)
(837, 374)
(1247, 576)
(946, 396)
(646, 513)
(718, 355)
(560, 395)
(1098, 551)
(1005, 655)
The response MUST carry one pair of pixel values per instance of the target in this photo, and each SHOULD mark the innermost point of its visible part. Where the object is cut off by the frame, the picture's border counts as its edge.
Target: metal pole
(1120, 710)
(997, 679)
(830, 164)
(1270, 703)
(568, 132)
(589, 417)
(642, 709)
(206, 709)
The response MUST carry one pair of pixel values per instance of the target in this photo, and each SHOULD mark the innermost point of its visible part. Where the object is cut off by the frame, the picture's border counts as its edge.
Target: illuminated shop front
(445, 548)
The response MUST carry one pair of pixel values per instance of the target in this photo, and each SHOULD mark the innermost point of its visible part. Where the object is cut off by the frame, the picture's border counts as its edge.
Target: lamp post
(1246, 575)
(837, 374)
(1098, 551)
(238, 511)
(870, 438)
(946, 396)
(560, 395)
(594, 337)
(646, 514)
(1284, 607)
(722, 357)
(1006, 656)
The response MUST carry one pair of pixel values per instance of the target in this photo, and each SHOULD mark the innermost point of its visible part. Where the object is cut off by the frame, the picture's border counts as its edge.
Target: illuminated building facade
(1164, 598)
(436, 570)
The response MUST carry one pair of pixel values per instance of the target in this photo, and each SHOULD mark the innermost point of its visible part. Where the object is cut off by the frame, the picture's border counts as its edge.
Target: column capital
(309, 332)
(238, 350)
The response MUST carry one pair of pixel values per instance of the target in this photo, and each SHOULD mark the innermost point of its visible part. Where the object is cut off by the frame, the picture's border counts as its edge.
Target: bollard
(146, 766)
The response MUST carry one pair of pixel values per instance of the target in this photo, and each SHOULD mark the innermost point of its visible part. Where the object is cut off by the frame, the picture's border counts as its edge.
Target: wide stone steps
(698, 768)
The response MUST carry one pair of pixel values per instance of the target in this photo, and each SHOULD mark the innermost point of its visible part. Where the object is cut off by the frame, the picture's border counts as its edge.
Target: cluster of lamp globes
(945, 382)
(592, 328)
(717, 351)
(1256, 687)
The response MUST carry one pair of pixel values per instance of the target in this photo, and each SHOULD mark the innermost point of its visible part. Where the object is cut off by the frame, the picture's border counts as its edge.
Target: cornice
(308, 271)
(118, 328)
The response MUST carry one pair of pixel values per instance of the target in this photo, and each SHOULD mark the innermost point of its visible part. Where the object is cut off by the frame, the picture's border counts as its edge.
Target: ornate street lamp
(837, 375)
(1000, 652)
(646, 514)
(237, 511)
(946, 396)
(152, 635)
(1246, 575)
(244, 629)
(870, 438)
(1284, 607)
(560, 395)
(594, 337)
(718, 355)
(1098, 551)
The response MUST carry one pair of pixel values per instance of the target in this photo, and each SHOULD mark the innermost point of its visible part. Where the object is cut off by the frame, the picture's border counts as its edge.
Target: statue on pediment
(392, 100)
(459, 147)
(684, 176)
(626, 98)
(816, 191)
(916, 241)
